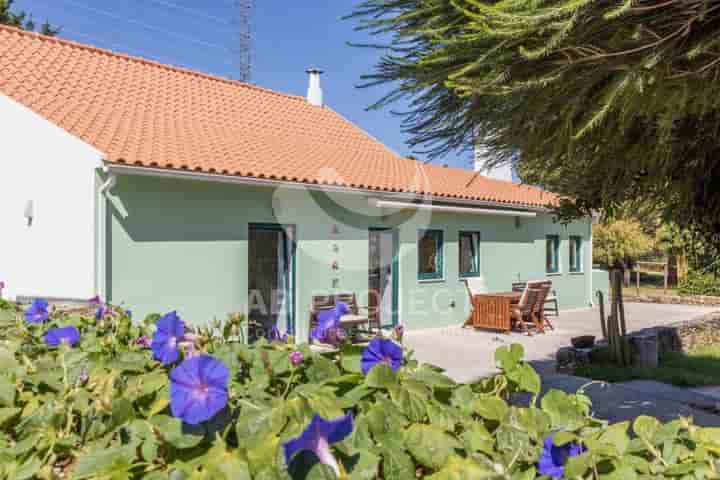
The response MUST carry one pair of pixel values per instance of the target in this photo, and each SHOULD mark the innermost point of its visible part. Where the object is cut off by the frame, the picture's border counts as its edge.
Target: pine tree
(23, 20)
(608, 102)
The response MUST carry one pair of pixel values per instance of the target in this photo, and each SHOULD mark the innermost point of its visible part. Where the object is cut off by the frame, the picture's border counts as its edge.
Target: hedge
(100, 405)
(699, 283)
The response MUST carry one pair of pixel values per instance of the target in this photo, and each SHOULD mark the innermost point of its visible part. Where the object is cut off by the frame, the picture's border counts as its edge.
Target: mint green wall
(179, 244)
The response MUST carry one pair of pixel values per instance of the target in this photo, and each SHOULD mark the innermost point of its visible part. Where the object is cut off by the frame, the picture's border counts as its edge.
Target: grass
(699, 367)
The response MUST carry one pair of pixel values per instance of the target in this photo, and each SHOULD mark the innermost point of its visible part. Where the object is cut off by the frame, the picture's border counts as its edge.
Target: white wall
(55, 255)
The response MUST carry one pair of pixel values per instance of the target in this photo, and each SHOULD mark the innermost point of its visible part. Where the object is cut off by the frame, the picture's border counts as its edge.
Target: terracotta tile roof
(143, 113)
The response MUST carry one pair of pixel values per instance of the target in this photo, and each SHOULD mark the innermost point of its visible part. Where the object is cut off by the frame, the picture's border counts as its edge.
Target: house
(163, 188)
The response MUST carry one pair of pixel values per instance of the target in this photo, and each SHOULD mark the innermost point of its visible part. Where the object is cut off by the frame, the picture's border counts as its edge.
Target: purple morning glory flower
(381, 350)
(101, 307)
(276, 335)
(198, 389)
(144, 341)
(296, 358)
(56, 336)
(37, 312)
(399, 332)
(553, 458)
(318, 436)
(328, 319)
(170, 331)
(335, 336)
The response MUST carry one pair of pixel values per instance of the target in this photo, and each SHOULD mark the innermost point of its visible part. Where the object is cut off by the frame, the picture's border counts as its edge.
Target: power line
(192, 11)
(147, 26)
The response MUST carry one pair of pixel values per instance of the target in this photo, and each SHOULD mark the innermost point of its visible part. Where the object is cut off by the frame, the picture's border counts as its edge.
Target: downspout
(104, 192)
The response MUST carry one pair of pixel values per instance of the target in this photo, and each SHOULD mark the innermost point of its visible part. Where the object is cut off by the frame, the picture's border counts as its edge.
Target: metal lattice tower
(245, 44)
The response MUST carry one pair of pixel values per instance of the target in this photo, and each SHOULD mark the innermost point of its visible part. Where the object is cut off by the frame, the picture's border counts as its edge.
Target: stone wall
(673, 299)
(686, 335)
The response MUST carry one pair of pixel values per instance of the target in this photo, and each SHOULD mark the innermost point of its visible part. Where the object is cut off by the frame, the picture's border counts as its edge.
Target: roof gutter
(447, 208)
(233, 179)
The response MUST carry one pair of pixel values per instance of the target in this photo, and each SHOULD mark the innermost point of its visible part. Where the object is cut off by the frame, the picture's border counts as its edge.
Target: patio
(468, 354)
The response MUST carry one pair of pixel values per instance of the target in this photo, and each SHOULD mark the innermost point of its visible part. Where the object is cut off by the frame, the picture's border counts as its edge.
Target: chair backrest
(319, 303)
(519, 286)
(529, 300)
(476, 286)
(543, 293)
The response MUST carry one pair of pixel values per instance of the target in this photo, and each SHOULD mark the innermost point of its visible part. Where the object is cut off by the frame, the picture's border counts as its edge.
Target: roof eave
(237, 179)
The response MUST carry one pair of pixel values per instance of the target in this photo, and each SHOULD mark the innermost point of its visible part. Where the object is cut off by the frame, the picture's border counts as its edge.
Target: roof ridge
(146, 61)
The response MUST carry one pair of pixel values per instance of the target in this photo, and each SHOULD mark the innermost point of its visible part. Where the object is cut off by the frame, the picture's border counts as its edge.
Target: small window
(469, 254)
(575, 253)
(552, 254)
(430, 254)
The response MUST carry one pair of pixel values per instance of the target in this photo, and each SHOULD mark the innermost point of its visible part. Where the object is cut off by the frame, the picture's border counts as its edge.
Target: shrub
(105, 408)
(699, 283)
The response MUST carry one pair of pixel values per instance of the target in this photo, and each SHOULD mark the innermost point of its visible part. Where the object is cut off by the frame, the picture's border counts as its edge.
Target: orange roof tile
(143, 113)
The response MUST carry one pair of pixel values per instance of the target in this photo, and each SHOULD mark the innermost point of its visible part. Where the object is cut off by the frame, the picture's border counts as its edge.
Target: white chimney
(499, 172)
(314, 92)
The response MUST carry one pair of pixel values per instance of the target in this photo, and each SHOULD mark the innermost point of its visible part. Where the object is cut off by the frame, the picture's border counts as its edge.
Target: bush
(698, 283)
(100, 409)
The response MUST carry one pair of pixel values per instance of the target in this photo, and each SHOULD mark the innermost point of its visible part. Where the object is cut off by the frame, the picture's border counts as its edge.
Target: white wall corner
(55, 254)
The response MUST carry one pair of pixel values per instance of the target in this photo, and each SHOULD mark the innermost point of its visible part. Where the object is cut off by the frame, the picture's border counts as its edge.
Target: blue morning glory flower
(318, 436)
(276, 335)
(57, 336)
(102, 309)
(198, 389)
(553, 458)
(381, 350)
(37, 312)
(328, 319)
(169, 332)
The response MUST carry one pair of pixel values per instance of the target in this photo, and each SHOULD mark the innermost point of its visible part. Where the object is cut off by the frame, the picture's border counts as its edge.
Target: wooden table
(493, 311)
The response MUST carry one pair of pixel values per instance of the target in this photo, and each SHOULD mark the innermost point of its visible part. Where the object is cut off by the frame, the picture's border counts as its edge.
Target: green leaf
(7, 392)
(565, 413)
(96, 463)
(397, 464)
(7, 414)
(322, 369)
(361, 464)
(463, 469)
(491, 408)
(508, 358)
(381, 376)
(577, 466)
(410, 403)
(176, 433)
(617, 436)
(430, 377)
(646, 427)
(351, 355)
(430, 445)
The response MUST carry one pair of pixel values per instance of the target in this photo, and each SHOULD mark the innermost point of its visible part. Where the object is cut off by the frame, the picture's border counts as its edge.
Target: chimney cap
(314, 70)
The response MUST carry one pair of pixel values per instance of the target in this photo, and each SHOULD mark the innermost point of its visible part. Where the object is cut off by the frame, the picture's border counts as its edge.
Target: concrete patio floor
(467, 354)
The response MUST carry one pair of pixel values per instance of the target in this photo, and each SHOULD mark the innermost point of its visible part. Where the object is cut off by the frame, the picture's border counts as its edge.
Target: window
(469, 254)
(575, 253)
(430, 254)
(552, 254)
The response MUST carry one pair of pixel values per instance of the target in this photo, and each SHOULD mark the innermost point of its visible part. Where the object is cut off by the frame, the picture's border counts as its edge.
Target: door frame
(280, 227)
(395, 269)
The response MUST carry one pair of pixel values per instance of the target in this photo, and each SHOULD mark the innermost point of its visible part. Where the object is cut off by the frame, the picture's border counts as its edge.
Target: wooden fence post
(601, 304)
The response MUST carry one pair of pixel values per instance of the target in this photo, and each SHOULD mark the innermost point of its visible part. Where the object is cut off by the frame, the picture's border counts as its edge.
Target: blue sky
(289, 36)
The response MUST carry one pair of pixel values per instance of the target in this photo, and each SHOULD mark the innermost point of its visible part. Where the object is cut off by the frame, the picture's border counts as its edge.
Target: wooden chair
(524, 313)
(552, 298)
(474, 286)
(539, 309)
(519, 286)
(319, 302)
(351, 300)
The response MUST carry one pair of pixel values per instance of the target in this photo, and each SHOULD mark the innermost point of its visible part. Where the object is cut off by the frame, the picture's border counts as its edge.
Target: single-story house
(163, 188)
